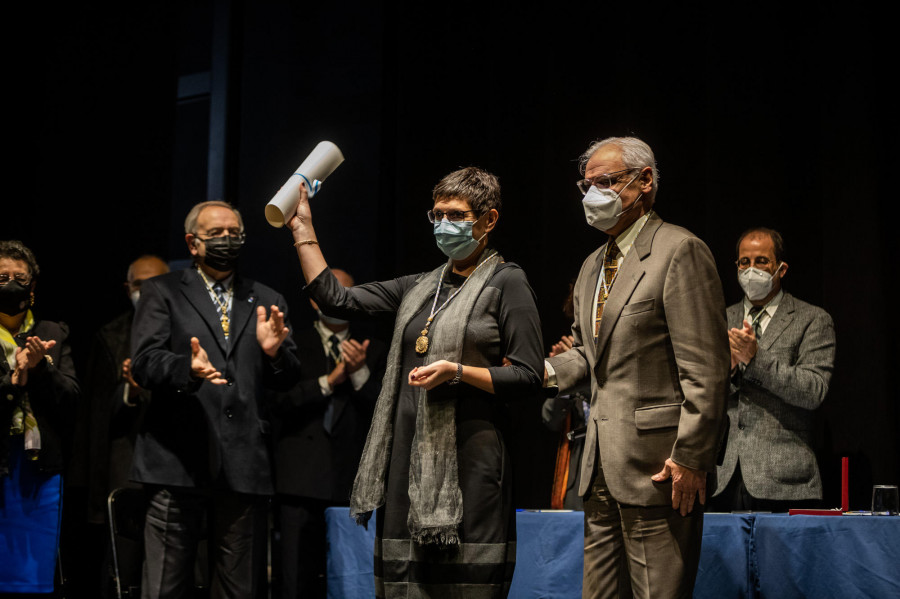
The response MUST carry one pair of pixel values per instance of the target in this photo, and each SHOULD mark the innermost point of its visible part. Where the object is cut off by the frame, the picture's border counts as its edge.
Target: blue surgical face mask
(455, 238)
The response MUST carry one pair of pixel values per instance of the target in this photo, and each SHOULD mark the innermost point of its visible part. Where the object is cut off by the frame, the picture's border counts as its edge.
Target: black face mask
(222, 252)
(14, 298)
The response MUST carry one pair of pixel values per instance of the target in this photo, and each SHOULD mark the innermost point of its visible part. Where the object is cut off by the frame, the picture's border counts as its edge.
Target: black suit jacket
(309, 461)
(196, 434)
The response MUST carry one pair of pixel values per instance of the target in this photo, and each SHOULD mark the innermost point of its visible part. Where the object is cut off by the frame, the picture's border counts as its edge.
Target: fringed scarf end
(442, 536)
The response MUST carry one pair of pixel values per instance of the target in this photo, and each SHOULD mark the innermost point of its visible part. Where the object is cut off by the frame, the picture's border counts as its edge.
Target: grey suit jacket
(659, 373)
(770, 407)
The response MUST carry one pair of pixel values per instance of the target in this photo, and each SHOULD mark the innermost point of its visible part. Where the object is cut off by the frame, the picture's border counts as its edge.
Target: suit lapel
(194, 290)
(736, 315)
(243, 309)
(587, 291)
(779, 322)
(630, 273)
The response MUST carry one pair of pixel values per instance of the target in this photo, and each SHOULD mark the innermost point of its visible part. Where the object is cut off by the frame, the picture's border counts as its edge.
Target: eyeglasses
(454, 216)
(20, 278)
(214, 233)
(604, 181)
(759, 262)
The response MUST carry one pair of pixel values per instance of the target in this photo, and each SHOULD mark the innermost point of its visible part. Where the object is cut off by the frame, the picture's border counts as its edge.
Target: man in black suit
(202, 453)
(320, 430)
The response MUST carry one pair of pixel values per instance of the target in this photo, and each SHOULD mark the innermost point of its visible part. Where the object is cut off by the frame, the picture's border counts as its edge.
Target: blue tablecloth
(771, 556)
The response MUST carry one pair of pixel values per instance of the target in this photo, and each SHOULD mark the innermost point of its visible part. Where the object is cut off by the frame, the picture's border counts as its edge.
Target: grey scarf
(435, 500)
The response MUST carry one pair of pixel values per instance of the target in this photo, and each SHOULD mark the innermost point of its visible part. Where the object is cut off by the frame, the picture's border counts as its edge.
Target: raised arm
(312, 261)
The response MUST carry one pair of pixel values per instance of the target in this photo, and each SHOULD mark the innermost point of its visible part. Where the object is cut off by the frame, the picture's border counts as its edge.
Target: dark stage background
(127, 115)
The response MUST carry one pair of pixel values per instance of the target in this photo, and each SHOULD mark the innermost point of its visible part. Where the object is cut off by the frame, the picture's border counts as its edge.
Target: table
(743, 555)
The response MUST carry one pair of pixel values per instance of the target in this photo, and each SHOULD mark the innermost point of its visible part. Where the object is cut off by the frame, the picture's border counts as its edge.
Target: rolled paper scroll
(320, 163)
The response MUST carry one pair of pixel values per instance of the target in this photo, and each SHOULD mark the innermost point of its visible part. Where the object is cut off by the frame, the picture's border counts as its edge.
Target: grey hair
(635, 154)
(190, 223)
(477, 186)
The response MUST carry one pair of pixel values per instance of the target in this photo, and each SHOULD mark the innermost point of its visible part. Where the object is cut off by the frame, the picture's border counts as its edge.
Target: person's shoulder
(261, 289)
(508, 273)
(117, 325)
(50, 329)
(799, 306)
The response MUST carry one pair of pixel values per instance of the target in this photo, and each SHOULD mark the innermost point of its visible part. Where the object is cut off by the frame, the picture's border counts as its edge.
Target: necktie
(335, 349)
(756, 314)
(222, 307)
(334, 354)
(610, 268)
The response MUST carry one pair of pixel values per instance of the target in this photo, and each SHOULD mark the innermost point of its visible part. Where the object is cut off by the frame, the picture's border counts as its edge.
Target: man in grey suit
(650, 334)
(782, 355)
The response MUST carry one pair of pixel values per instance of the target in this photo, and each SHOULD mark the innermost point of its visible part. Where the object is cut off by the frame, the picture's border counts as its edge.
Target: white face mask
(603, 207)
(135, 296)
(756, 283)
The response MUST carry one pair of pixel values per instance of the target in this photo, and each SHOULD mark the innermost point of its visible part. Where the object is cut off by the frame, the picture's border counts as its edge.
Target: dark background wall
(125, 116)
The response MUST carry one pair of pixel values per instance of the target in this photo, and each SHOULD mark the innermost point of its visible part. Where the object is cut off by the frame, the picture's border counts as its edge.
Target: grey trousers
(178, 518)
(652, 552)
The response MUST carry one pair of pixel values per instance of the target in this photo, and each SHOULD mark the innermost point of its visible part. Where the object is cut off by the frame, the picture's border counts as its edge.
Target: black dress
(482, 564)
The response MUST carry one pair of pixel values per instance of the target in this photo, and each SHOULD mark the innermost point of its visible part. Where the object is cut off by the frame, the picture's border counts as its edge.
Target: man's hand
(270, 333)
(133, 387)
(686, 484)
(338, 375)
(743, 344)
(562, 346)
(432, 375)
(201, 367)
(354, 354)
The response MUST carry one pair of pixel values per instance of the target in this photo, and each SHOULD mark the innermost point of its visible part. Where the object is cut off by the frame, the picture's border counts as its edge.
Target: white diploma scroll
(320, 163)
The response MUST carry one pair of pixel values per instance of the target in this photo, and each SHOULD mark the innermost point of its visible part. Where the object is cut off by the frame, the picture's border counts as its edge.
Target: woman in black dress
(435, 465)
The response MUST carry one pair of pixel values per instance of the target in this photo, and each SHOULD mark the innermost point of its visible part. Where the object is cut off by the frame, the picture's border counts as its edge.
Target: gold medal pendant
(422, 343)
(225, 326)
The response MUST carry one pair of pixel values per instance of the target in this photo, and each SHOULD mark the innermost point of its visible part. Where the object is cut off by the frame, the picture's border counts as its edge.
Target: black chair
(127, 508)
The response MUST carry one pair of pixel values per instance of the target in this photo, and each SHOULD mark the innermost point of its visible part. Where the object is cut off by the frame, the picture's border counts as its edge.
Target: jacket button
(229, 413)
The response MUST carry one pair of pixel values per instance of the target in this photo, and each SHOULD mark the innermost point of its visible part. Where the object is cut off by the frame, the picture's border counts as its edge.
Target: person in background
(38, 397)
(205, 348)
(115, 408)
(320, 430)
(567, 415)
(782, 357)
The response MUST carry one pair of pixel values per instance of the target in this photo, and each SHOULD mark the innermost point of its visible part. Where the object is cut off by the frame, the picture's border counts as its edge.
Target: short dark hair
(478, 187)
(16, 250)
(777, 241)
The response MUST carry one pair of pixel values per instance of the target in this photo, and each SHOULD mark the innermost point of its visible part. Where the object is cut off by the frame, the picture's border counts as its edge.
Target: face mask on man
(337, 322)
(455, 238)
(222, 252)
(756, 283)
(603, 207)
(14, 298)
(135, 296)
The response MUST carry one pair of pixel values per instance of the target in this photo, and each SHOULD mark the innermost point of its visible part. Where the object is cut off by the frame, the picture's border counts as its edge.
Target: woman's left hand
(432, 375)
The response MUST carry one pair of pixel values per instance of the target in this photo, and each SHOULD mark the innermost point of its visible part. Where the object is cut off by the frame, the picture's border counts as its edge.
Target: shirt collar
(626, 238)
(325, 333)
(768, 308)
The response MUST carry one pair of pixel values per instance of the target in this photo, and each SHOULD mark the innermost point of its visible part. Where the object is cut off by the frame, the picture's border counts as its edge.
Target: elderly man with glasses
(207, 344)
(650, 335)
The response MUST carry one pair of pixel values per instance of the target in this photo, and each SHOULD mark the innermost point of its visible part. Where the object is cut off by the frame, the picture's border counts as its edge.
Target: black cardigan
(53, 393)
